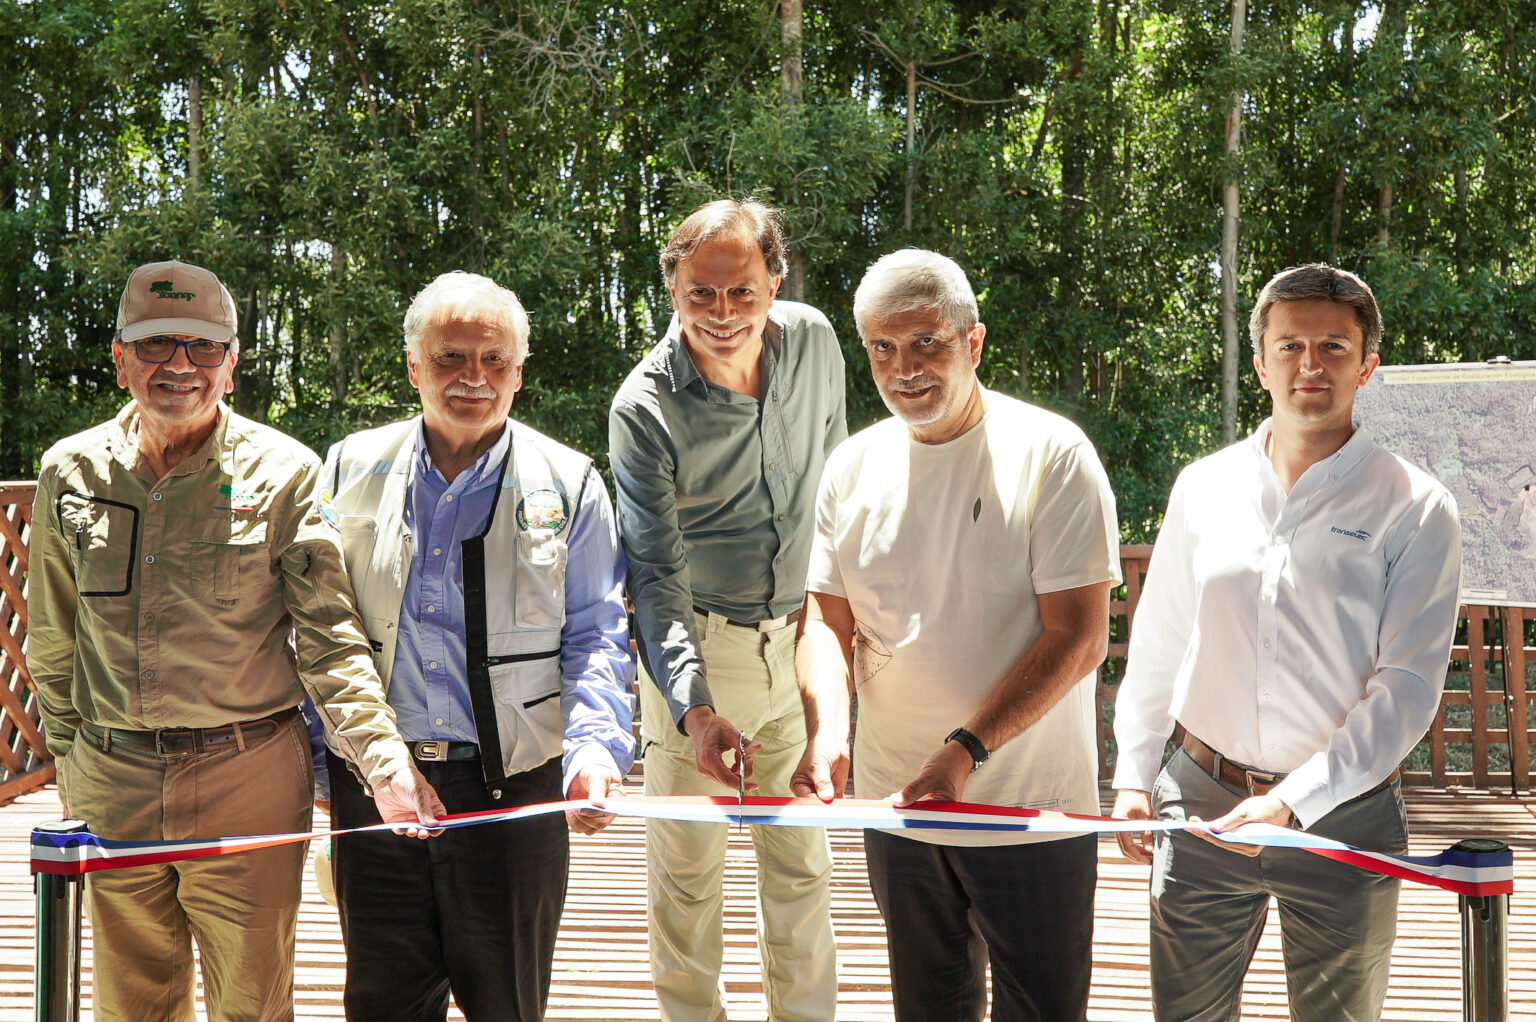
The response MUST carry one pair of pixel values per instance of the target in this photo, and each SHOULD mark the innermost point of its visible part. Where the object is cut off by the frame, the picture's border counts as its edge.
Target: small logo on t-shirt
(1359, 534)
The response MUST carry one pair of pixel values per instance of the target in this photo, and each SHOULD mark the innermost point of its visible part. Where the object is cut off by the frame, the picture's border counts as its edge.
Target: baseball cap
(175, 298)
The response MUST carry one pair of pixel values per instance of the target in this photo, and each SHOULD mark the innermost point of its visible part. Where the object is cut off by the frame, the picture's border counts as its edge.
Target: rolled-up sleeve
(597, 671)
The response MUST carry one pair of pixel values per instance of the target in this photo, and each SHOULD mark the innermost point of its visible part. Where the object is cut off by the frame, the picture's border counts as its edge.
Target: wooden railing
(1481, 737)
(24, 761)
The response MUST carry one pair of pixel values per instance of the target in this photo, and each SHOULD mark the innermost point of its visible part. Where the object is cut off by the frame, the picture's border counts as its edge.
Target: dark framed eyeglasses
(202, 353)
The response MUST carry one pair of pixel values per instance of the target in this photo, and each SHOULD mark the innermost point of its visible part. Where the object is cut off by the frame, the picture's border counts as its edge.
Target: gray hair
(763, 224)
(913, 280)
(467, 296)
(1317, 282)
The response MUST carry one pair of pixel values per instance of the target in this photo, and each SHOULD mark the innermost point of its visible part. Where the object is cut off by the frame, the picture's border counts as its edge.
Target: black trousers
(949, 910)
(474, 910)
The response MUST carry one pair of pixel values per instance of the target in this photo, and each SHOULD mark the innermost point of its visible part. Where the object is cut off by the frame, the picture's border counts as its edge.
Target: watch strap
(972, 745)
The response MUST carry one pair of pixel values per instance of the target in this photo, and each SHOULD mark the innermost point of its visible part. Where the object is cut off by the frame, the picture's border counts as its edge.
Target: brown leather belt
(178, 741)
(757, 626)
(1254, 782)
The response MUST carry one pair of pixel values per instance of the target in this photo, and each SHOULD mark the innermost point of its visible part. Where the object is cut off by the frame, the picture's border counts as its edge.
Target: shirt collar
(125, 442)
(677, 361)
(485, 466)
(1340, 462)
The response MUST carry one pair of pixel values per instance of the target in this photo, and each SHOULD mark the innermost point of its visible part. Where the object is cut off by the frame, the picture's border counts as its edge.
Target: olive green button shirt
(717, 490)
(169, 602)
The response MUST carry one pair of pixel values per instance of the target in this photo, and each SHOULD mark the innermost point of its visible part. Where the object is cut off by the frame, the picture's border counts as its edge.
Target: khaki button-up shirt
(169, 602)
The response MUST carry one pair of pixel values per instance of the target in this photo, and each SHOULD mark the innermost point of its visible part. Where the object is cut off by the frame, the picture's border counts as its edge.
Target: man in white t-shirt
(1297, 621)
(964, 550)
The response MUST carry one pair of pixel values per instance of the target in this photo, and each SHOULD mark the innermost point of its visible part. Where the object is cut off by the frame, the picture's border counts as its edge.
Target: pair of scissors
(741, 777)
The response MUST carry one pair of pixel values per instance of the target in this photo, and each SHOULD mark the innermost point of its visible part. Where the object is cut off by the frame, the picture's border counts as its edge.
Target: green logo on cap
(162, 289)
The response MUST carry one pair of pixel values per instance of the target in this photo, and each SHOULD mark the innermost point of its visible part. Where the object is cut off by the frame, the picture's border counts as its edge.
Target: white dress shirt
(1305, 633)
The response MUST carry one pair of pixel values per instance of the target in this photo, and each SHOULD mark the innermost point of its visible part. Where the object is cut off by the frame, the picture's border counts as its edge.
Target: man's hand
(942, 777)
(823, 772)
(713, 736)
(406, 798)
(1259, 809)
(1132, 804)
(597, 783)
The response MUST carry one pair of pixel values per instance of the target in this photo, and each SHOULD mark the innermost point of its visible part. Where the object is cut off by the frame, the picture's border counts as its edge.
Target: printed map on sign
(1472, 426)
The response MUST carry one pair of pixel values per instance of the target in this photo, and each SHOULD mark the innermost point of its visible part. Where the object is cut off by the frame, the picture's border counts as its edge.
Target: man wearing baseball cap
(175, 549)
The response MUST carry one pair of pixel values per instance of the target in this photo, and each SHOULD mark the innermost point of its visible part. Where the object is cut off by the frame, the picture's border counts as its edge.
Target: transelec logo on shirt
(1360, 534)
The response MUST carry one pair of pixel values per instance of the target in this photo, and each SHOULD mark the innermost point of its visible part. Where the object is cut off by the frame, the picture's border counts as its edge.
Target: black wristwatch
(972, 745)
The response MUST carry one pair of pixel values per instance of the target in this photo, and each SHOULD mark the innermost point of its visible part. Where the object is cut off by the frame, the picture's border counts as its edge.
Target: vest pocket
(526, 688)
(540, 599)
(218, 565)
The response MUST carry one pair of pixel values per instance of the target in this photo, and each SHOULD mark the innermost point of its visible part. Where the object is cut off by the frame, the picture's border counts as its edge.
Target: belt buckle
(176, 733)
(433, 750)
(1260, 782)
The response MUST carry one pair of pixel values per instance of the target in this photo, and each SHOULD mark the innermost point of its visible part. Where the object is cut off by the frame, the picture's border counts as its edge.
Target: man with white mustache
(490, 580)
(176, 549)
(717, 439)
(964, 553)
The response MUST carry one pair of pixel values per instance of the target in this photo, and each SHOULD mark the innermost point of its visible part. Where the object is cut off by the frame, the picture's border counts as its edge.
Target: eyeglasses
(201, 353)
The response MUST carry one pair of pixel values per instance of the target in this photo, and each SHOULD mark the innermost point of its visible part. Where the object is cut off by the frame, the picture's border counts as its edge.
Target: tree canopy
(327, 158)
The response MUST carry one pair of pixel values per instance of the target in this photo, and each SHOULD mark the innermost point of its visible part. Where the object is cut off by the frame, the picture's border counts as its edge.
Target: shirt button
(149, 675)
(437, 720)
(449, 498)
(496, 793)
(437, 551)
(770, 464)
(782, 517)
(433, 666)
(149, 616)
(158, 496)
(149, 558)
(1266, 643)
(431, 609)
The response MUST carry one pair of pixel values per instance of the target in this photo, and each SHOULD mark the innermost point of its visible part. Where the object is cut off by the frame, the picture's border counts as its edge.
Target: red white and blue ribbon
(1474, 874)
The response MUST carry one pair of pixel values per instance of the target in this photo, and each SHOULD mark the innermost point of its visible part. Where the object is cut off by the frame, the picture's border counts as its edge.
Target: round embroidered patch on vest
(328, 511)
(543, 509)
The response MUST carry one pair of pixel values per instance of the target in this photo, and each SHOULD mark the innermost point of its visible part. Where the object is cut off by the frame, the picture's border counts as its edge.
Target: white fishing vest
(513, 612)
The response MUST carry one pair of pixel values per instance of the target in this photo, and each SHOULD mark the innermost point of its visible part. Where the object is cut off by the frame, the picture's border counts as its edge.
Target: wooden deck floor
(601, 970)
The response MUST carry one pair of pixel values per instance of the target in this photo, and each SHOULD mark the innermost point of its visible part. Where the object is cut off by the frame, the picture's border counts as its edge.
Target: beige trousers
(752, 679)
(240, 909)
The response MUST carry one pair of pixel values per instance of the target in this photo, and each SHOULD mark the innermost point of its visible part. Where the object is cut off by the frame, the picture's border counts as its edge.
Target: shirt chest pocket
(103, 538)
(232, 560)
(541, 557)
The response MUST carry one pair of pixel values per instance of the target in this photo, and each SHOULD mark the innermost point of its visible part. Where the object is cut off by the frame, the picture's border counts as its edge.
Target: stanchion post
(1484, 946)
(58, 936)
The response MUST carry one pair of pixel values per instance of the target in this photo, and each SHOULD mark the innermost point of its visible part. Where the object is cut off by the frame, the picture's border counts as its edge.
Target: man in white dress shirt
(1297, 620)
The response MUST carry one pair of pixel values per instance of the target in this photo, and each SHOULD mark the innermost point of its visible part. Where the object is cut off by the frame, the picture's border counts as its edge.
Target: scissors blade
(741, 776)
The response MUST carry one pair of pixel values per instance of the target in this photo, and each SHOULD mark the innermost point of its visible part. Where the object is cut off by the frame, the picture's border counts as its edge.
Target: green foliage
(1067, 154)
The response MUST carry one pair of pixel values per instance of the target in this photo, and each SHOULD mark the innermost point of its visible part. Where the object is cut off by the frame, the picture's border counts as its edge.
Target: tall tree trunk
(1230, 199)
(1341, 178)
(195, 129)
(911, 181)
(792, 93)
(1384, 197)
(1074, 188)
(1459, 240)
(338, 334)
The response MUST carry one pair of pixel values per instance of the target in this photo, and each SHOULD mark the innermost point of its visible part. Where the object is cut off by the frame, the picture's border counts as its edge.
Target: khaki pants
(752, 679)
(240, 909)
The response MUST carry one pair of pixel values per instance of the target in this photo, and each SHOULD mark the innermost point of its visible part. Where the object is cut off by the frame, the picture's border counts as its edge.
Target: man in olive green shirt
(174, 551)
(717, 441)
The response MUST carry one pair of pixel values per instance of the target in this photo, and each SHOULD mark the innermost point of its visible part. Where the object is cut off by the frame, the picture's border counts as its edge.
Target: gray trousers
(1209, 905)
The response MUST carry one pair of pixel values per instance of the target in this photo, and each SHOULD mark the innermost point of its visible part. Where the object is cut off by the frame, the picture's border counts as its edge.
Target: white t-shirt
(940, 550)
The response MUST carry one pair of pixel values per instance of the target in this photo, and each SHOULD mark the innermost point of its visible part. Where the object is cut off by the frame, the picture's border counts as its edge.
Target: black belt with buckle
(757, 626)
(438, 750)
(180, 741)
